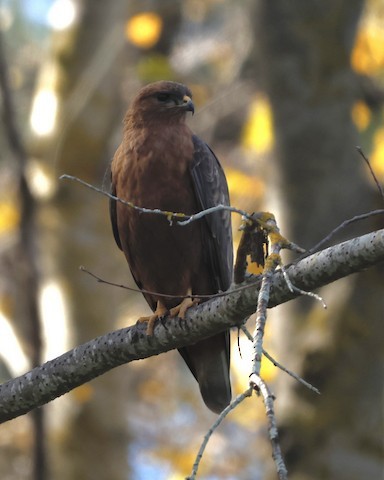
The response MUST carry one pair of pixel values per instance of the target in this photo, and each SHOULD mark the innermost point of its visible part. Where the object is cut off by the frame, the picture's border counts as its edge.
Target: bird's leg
(180, 310)
(160, 311)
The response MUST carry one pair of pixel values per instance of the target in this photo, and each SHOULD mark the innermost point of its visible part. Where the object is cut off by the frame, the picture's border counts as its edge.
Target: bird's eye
(163, 97)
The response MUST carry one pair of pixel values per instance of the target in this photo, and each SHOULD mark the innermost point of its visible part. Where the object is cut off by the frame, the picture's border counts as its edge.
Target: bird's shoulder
(208, 174)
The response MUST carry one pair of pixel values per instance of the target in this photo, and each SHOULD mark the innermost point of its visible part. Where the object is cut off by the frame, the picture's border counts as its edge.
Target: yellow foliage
(244, 185)
(249, 413)
(258, 130)
(242, 364)
(6, 304)
(181, 460)
(176, 476)
(144, 29)
(9, 216)
(254, 268)
(151, 389)
(368, 52)
(268, 370)
(361, 115)
(377, 157)
(83, 394)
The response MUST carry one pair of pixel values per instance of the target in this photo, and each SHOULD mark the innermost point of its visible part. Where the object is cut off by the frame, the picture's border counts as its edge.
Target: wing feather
(211, 189)
(113, 214)
(209, 359)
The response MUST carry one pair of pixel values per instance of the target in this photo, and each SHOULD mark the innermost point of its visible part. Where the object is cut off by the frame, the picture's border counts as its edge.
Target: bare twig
(354, 219)
(260, 386)
(293, 288)
(342, 225)
(217, 208)
(189, 218)
(261, 313)
(379, 187)
(279, 365)
(277, 242)
(250, 284)
(184, 218)
(240, 398)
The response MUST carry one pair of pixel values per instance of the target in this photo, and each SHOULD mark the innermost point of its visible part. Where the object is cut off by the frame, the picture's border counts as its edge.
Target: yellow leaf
(151, 389)
(258, 129)
(83, 394)
(268, 371)
(254, 268)
(9, 216)
(244, 185)
(368, 52)
(144, 29)
(181, 460)
(361, 115)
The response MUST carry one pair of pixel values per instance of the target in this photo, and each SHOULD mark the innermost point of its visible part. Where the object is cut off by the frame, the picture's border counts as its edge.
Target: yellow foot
(160, 311)
(181, 309)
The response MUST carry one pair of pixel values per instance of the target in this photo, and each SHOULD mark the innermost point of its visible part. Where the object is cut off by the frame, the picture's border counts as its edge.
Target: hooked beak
(188, 104)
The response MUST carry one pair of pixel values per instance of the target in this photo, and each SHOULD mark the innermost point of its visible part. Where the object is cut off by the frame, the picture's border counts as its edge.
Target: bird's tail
(208, 360)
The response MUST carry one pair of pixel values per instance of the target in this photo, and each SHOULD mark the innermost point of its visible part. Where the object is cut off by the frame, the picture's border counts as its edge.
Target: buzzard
(161, 164)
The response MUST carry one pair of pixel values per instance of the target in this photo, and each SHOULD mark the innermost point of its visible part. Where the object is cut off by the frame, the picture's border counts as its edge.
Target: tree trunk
(304, 53)
(88, 63)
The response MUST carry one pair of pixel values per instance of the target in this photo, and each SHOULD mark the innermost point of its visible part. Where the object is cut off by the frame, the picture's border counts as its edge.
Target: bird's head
(163, 100)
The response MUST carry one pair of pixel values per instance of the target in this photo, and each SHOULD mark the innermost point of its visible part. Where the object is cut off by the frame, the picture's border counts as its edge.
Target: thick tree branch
(94, 358)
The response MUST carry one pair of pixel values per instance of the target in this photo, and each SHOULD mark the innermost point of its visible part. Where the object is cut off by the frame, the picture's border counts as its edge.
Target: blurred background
(284, 91)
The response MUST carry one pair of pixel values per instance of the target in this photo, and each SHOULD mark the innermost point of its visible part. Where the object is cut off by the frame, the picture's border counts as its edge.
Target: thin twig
(342, 225)
(169, 215)
(260, 386)
(279, 365)
(277, 242)
(379, 187)
(252, 284)
(261, 318)
(293, 288)
(156, 211)
(217, 208)
(354, 219)
(240, 398)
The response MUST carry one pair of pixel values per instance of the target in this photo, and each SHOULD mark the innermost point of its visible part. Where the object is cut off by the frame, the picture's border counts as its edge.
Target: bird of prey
(161, 164)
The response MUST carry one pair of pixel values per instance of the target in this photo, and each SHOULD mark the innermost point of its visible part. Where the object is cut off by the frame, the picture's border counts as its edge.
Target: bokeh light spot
(43, 114)
(144, 29)
(62, 14)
